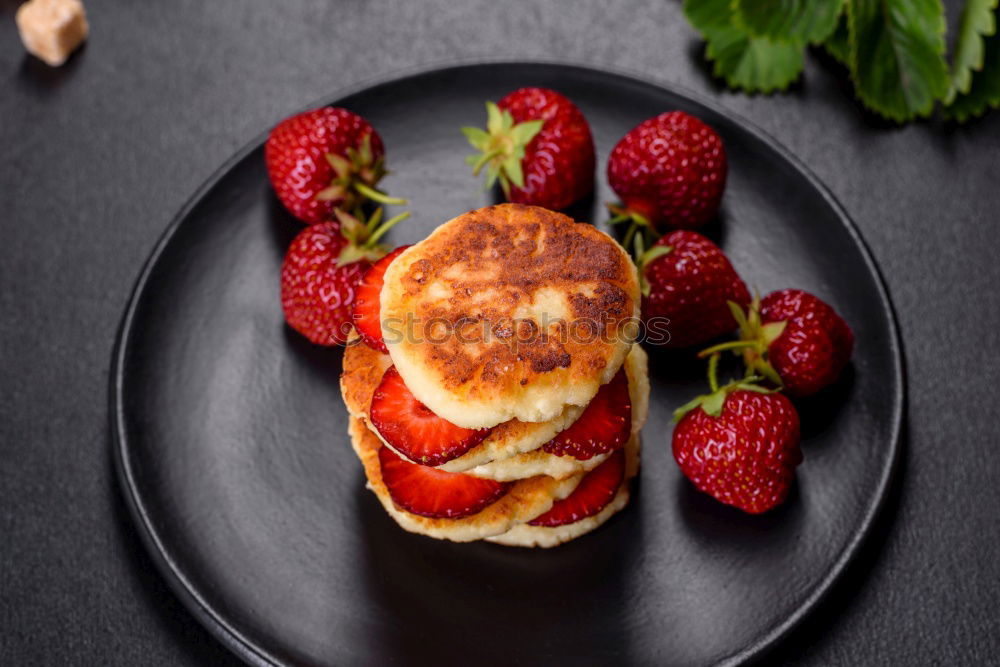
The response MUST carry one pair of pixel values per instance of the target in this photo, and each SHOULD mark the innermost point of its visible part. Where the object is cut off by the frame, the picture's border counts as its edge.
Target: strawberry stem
(373, 222)
(713, 368)
(377, 196)
(755, 339)
(713, 402)
(386, 226)
(484, 159)
(639, 227)
(644, 257)
(629, 235)
(730, 345)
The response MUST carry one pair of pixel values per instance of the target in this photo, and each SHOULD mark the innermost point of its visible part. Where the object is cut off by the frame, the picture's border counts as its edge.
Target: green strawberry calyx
(501, 147)
(355, 176)
(713, 402)
(644, 257)
(641, 234)
(636, 215)
(755, 339)
(363, 234)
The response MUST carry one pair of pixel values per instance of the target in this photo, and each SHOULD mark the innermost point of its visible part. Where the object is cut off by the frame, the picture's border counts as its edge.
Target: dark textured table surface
(96, 157)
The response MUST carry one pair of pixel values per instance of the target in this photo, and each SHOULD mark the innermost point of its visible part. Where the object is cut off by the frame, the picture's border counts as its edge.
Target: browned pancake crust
(363, 368)
(510, 252)
(362, 372)
(525, 500)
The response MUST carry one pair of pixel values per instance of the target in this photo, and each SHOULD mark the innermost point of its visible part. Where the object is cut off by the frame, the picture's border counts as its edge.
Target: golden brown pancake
(535, 462)
(512, 449)
(362, 371)
(526, 499)
(509, 312)
(524, 535)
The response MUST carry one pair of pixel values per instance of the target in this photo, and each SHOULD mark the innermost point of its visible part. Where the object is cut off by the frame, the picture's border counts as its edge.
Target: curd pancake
(526, 535)
(536, 462)
(494, 509)
(509, 312)
(595, 500)
(511, 450)
(363, 370)
(541, 462)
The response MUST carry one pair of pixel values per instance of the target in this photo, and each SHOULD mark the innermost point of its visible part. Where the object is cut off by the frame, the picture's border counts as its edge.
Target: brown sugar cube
(52, 29)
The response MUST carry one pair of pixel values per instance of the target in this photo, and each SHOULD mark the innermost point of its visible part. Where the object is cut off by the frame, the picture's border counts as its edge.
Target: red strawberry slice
(592, 494)
(434, 493)
(367, 304)
(412, 429)
(604, 426)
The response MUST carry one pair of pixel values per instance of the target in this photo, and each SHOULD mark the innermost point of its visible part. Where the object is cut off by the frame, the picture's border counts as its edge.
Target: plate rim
(255, 655)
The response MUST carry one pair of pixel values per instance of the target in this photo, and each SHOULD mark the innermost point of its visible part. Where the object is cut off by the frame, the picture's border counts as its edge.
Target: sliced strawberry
(412, 429)
(367, 304)
(604, 425)
(435, 493)
(592, 494)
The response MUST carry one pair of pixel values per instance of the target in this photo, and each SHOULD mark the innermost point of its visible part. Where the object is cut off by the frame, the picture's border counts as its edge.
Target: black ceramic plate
(233, 453)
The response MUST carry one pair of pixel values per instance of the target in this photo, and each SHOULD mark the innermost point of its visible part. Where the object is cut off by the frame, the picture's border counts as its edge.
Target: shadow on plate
(326, 362)
(818, 412)
(283, 225)
(816, 628)
(522, 593)
(727, 527)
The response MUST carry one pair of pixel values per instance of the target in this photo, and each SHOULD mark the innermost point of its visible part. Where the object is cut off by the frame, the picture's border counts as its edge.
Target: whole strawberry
(687, 282)
(796, 340)
(325, 159)
(321, 271)
(537, 144)
(740, 445)
(669, 171)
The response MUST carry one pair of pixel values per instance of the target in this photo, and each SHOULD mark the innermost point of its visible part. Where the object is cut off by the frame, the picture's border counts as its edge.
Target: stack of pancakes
(507, 320)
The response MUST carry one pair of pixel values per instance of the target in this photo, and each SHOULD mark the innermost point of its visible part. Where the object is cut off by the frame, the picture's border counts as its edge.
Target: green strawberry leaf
(897, 55)
(796, 21)
(984, 93)
(707, 16)
(837, 45)
(754, 63)
(477, 137)
(712, 405)
(978, 21)
(512, 167)
(744, 61)
(494, 118)
(522, 133)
